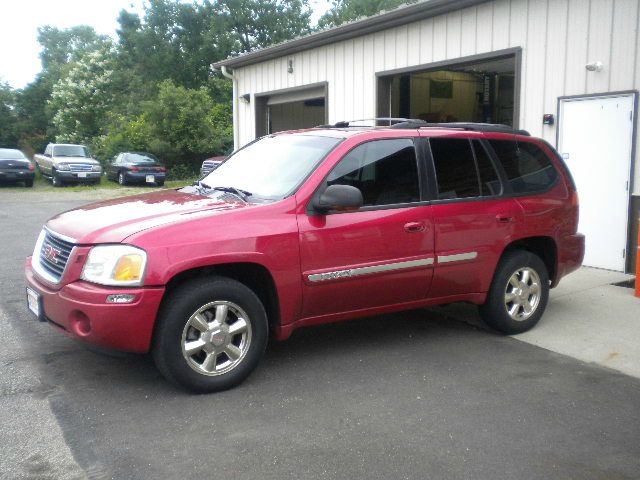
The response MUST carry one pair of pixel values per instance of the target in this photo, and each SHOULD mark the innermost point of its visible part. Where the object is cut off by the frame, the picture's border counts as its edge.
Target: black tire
(175, 326)
(28, 183)
(56, 181)
(496, 310)
(122, 179)
(160, 184)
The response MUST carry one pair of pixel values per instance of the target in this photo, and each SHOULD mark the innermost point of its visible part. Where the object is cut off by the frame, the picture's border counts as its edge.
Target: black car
(15, 167)
(136, 167)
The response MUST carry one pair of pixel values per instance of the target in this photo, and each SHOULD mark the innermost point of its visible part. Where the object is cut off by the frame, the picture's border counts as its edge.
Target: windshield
(141, 158)
(10, 154)
(272, 167)
(70, 151)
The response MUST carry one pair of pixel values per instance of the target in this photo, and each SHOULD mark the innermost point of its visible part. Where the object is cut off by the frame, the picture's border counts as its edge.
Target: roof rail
(477, 127)
(410, 123)
(390, 122)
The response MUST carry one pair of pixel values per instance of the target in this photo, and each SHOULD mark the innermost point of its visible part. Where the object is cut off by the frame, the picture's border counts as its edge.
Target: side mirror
(339, 197)
(47, 154)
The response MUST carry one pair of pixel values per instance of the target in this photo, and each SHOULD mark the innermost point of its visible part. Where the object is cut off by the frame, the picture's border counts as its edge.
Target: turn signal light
(128, 268)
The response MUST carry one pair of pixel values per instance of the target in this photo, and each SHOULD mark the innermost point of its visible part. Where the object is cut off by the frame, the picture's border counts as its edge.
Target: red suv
(309, 227)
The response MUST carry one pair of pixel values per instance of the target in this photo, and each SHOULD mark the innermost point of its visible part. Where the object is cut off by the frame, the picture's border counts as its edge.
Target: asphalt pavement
(417, 395)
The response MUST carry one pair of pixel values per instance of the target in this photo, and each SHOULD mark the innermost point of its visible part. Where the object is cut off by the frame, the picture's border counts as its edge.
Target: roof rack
(410, 123)
(476, 127)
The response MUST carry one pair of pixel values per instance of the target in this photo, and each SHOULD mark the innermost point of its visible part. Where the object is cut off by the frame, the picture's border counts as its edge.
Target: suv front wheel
(519, 293)
(210, 335)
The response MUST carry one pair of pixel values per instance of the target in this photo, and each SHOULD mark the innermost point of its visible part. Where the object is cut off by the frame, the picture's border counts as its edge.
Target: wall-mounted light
(594, 66)
(290, 66)
(246, 98)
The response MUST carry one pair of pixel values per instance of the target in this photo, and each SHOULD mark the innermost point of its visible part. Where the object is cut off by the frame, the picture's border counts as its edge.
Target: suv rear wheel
(210, 335)
(519, 293)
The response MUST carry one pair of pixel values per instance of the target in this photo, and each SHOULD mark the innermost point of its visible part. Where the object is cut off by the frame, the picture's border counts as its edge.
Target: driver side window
(385, 171)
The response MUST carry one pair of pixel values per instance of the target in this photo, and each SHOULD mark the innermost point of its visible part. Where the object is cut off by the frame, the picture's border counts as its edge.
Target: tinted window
(455, 166)
(141, 158)
(527, 167)
(489, 181)
(385, 171)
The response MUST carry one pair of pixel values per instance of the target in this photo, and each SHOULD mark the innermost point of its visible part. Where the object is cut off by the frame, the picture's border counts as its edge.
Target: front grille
(80, 167)
(54, 255)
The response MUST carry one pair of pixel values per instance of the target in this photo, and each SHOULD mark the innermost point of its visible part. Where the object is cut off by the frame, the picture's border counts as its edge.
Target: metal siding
(468, 32)
(555, 61)
(557, 37)
(599, 41)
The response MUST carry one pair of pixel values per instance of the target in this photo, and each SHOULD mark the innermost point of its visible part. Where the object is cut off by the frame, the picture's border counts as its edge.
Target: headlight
(63, 166)
(96, 168)
(119, 265)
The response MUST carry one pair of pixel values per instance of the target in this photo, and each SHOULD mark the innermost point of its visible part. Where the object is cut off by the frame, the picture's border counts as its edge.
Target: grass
(42, 184)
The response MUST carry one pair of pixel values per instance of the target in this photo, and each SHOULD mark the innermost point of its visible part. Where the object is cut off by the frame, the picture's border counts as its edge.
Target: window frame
(423, 185)
(433, 178)
(506, 185)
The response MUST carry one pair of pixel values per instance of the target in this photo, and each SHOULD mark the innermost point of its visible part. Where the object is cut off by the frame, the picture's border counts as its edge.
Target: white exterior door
(595, 140)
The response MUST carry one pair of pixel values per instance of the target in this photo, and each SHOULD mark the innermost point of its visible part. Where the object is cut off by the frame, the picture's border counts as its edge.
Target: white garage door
(595, 139)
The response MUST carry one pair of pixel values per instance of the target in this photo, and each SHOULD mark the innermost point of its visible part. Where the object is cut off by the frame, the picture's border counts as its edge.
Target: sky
(20, 19)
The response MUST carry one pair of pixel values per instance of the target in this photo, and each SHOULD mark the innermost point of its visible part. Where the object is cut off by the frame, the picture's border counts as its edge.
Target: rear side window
(385, 171)
(527, 167)
(489, 182)
(456, 172)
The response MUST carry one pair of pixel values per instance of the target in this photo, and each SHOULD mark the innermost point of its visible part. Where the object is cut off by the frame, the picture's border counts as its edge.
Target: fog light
(121, 298)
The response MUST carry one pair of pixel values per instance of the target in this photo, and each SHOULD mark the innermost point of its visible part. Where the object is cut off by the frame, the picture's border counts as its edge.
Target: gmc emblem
(50, 253)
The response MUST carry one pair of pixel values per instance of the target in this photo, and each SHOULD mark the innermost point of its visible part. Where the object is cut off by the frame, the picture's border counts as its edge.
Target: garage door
(303, 108)
(595, 139)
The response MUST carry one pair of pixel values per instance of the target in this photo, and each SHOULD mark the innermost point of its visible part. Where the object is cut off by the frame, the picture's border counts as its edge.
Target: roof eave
(376, 23)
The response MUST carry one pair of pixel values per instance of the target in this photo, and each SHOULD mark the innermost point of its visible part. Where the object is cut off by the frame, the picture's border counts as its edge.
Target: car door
(46, 160)
(379, 255)
(473, 220)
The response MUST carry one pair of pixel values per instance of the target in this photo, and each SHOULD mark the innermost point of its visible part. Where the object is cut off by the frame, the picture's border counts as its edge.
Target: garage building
(565, 70)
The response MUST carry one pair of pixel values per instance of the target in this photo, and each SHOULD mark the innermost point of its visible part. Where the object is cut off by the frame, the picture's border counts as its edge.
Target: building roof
(382, 21)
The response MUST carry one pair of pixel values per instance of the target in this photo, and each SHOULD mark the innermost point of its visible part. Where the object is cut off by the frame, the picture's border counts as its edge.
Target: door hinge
(624, 253)
(630, 115)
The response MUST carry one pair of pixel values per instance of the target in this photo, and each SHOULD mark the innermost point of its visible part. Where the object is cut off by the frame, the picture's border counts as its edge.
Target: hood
(76, 160)
(112, 221)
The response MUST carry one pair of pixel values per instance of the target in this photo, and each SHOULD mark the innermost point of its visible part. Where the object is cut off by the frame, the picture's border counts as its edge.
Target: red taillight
(162, 169)
(133, 169)
(575, 207)
(575, 202)
(31, 166)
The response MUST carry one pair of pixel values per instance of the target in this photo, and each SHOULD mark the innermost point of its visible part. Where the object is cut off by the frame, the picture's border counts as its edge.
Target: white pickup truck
(66, 163)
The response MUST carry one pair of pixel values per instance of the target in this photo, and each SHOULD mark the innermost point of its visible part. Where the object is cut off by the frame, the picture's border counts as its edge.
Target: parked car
(136, 167)
(68, 163)
(210, 164)
(309, 227)
(16, 167)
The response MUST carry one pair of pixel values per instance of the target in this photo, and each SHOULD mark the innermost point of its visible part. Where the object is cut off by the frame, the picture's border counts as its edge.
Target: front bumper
(17, 175)
(79, 309)
(79, 176)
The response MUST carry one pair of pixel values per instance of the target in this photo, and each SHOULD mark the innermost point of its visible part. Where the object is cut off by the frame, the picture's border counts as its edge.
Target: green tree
(83, 99)
(8, 133)
(344, 11)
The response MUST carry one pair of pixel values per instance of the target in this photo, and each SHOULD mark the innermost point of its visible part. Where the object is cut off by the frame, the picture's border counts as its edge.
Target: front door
(595, 140)
(379, 255)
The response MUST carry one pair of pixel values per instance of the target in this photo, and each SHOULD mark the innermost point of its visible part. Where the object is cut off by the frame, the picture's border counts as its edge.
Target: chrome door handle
(414, 227)
(504, 218)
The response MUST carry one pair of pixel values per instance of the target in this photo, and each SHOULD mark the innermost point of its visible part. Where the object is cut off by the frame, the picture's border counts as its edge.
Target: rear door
(472, 219)
(381, 254)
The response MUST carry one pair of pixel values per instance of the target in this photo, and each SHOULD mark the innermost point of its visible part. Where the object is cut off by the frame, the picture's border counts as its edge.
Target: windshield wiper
(241, 194)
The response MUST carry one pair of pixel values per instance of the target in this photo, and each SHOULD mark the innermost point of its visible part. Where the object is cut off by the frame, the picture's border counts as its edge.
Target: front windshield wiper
(241, 194)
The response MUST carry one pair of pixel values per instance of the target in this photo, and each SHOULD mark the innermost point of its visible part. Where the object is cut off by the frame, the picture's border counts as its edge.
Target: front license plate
(82, 175)
(151, 179)
(33, 302)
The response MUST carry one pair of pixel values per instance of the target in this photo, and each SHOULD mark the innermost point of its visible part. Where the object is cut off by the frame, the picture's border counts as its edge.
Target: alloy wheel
(522, 294)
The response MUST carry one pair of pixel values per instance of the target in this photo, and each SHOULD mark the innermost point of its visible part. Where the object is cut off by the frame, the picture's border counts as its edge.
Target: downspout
(234, 81)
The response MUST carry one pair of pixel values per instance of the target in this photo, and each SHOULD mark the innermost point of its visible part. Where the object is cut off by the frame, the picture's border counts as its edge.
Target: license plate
(82, 175)
(151, 179)
(33, 301)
